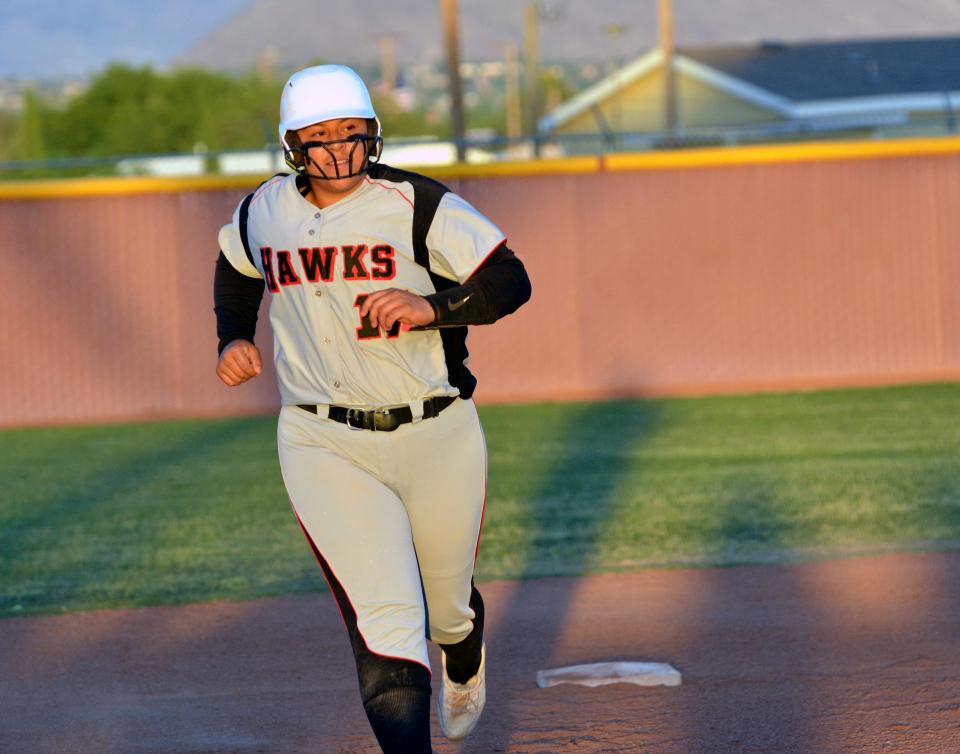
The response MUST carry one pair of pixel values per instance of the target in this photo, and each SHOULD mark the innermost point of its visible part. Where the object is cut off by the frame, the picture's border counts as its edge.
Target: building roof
(805, 79)
(811, 71)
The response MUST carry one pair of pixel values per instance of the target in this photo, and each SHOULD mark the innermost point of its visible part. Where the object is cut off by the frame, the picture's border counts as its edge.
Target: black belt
(382, 419)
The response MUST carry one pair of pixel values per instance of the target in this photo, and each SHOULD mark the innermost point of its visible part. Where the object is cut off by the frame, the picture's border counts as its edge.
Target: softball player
(374, 274)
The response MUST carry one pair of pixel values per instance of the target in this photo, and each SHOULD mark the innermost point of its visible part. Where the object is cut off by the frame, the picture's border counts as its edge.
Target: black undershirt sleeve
(499, 287)
(236, 301)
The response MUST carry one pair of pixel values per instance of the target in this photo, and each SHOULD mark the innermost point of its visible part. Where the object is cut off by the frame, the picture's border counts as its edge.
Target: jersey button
(318, 293)
(336, 384)
(317, 215)
(310, 232)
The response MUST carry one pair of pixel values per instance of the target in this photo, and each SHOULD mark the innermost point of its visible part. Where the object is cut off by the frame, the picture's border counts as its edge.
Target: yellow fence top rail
(658, 160)
(59, 188)
(780, 153)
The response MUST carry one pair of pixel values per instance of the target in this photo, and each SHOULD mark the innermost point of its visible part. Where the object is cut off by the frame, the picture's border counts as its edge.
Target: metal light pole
(512, 86)
(388, 61)
(665, 17)
(451, 36)
(531, 59)
(615, 31)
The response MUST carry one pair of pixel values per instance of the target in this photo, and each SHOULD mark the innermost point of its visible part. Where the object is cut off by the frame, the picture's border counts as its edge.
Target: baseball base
(603, 673)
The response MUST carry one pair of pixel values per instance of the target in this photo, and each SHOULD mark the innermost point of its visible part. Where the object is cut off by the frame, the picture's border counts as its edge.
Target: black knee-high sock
(463, 658)
(400, 718)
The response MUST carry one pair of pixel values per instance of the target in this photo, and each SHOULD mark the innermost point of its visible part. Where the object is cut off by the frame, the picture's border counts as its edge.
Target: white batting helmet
(320, 93)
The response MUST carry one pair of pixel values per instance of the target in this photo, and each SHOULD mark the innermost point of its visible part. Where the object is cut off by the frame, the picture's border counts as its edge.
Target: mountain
(52, 38)
(46, 38)
(296, 32)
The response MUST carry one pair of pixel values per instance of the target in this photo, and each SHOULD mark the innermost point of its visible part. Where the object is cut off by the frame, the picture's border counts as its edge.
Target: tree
(28, 138)
(128, 110)
(137, 111)
(9, 123)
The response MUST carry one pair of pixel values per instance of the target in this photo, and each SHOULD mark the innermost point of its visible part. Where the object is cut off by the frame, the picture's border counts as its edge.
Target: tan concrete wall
(645, 281)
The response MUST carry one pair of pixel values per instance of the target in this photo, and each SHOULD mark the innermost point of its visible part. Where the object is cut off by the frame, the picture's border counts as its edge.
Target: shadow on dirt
(595, 442)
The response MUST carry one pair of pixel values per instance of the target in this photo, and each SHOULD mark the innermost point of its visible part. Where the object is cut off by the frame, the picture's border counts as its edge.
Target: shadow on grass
(107, 492)
(593, 445)
(939, 489)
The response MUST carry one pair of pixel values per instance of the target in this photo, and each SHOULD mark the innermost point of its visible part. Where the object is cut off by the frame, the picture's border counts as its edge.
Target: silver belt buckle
(355, 415)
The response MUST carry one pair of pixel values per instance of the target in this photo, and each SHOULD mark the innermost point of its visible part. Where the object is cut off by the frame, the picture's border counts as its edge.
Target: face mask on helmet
(321, 93)
(336, 158)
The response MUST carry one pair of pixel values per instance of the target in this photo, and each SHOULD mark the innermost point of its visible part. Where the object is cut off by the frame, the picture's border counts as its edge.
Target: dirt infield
(858, 655)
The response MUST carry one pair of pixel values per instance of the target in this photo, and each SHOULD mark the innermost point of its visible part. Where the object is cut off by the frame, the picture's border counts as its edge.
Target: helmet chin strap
(368, 150)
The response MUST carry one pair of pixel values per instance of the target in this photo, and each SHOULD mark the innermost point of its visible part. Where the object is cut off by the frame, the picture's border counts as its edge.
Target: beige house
(770, 92)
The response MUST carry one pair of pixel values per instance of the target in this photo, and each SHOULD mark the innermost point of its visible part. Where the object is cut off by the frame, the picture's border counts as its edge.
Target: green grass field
(141, 514)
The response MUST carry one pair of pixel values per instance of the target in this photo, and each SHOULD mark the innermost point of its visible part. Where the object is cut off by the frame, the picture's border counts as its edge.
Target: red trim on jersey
(389, 188)
(264, 187)
(316, 554)
(485, 258)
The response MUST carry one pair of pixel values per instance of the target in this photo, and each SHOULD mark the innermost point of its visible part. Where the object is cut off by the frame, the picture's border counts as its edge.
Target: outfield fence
(718, 270)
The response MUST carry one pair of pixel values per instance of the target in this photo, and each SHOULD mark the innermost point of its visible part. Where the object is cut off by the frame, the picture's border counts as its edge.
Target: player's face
(335, 159)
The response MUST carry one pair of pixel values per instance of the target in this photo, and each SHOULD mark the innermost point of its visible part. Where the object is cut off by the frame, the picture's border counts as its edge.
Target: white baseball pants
(396, 516)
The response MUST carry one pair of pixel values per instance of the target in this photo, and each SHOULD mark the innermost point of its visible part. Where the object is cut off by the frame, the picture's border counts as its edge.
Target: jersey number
(366, 329)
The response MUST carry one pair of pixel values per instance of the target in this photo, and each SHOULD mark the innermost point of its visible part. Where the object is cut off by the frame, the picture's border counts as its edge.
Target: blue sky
(49, 38)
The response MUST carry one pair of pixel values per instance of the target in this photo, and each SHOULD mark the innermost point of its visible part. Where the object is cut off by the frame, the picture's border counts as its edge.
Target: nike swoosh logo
(454, 306)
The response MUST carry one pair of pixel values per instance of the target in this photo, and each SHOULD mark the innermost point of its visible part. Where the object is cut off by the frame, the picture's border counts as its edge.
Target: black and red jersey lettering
(353, 267)
(318, 263)
(367, 331)
(266, 258)
(384, 265)
(286, 275)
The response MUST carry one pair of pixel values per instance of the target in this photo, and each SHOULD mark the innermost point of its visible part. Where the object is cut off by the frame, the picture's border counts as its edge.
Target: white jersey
(318, 264)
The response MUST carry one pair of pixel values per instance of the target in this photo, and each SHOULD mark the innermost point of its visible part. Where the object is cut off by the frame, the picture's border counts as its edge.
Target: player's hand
(394, 305)
(239, 362)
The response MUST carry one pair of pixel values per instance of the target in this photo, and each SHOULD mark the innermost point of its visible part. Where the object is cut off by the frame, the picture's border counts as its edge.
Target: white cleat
(460, 704)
